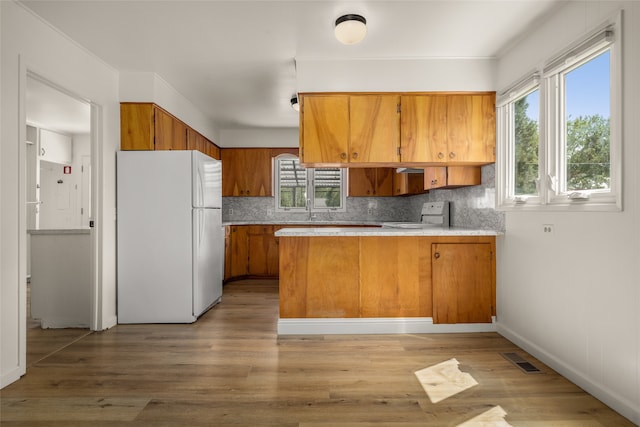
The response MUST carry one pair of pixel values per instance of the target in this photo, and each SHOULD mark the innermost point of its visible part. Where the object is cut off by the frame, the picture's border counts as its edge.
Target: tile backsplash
(472, 207)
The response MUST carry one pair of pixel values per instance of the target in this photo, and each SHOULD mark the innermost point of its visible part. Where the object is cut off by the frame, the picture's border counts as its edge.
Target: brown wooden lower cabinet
(462, 282)
(391, 277)
(252, 250)
(237, 252)
(262, 251)
(387, 276)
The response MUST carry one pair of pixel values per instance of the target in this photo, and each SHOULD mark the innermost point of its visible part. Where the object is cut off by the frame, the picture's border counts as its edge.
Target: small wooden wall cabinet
(448, 278)
(146, 126)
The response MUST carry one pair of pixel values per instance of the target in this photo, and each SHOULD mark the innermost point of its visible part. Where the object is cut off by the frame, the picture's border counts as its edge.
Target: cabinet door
(179, 140)
(307, 286)
(212, 150)
(239, 264)
(136, 126)
(408, 183)
(246, 172)
(262, 250)
(171, 133)
(471, 123)
(55, 147)
(462, 280)
(395, 277)
(374, 122)
(451, 176)
(163, 130)
(423, 128)
(365, 182)
(362, 182)
(258, 172)
(435, 177)
(227, 253)
(195, 141)
(324, 135)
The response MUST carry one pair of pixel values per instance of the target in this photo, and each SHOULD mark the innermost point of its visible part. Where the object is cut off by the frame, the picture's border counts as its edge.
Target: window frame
(552, 193)
(310, 189)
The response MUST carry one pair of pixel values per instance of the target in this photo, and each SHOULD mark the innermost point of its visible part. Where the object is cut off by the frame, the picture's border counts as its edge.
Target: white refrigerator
(170, 236)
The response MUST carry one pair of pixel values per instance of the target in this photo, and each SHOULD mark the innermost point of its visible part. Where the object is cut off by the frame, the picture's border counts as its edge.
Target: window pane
(526, 126)
(587, 103)
(292, 179)
(327, 189)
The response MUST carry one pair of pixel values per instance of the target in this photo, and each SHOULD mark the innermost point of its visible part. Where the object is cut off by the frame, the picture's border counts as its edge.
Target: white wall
(272, 137)
(30, 44)
(573, 298)
(398, 75)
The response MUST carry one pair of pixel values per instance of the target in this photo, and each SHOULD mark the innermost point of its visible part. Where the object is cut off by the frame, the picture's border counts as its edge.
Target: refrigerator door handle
(201, 225)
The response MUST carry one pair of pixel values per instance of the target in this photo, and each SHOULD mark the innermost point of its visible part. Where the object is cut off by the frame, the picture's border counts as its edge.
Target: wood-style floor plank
(231, 369)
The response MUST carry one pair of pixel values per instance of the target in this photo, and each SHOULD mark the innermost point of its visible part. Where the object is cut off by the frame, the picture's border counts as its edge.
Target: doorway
(60, 260)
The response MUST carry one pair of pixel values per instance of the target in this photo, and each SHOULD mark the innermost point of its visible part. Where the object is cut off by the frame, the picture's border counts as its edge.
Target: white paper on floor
(444, 380)
(494, 417)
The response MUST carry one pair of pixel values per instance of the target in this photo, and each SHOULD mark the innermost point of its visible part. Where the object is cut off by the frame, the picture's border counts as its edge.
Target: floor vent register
(516, 359)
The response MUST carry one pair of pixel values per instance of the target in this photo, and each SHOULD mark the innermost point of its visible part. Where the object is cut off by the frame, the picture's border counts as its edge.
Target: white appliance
(433, 214)
(170, 235)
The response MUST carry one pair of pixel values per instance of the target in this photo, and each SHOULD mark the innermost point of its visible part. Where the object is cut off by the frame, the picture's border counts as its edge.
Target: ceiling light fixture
(294, 103)
(351, 29)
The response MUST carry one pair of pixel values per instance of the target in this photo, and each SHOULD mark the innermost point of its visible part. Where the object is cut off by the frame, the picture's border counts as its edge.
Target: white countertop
(60, 231)
(305, 222)
(382, 231)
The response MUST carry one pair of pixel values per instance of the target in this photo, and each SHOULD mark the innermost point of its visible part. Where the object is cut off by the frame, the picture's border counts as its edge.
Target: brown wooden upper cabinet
(170, 133)
(146, 126)
(246, 171)
(376, 129)
(448, 128)
(408, 183)
(339, 129)
(451, 176)
(371, 182)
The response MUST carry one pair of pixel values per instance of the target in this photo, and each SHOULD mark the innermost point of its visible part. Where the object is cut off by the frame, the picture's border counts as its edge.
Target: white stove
(434, 214)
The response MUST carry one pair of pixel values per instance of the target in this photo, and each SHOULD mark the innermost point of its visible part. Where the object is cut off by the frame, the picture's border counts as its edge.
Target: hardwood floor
(231, 369)
(41, 343)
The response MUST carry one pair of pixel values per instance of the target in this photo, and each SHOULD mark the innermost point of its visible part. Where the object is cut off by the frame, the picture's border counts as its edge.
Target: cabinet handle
(436, 255)
(452, 155)
(343, 156)
(441, 155)
(42, 151)
(355, 155)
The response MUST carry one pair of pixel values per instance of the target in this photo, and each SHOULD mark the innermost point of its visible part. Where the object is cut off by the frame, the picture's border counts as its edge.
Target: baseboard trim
(395, 325)
(11, 376)
(59, 323)
(619, 403)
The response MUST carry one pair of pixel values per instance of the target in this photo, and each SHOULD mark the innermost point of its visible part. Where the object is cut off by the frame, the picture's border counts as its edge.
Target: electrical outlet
(230, 211)
(269, 212)
(547, 229)
(370, 211)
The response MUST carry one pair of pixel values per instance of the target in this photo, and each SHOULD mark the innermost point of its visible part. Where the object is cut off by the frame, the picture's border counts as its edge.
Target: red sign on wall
(67, 170)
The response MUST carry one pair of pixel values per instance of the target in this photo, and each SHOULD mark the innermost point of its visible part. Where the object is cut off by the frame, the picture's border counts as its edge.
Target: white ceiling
(235, 60)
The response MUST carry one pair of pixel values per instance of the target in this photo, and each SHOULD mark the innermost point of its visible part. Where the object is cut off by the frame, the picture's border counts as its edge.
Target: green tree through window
(588, 149)
(526, 148)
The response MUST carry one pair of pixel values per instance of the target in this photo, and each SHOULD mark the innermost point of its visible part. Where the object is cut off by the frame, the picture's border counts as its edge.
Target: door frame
(96, 194)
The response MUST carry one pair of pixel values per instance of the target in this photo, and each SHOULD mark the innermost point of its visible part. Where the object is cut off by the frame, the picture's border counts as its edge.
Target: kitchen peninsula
(386, 280)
